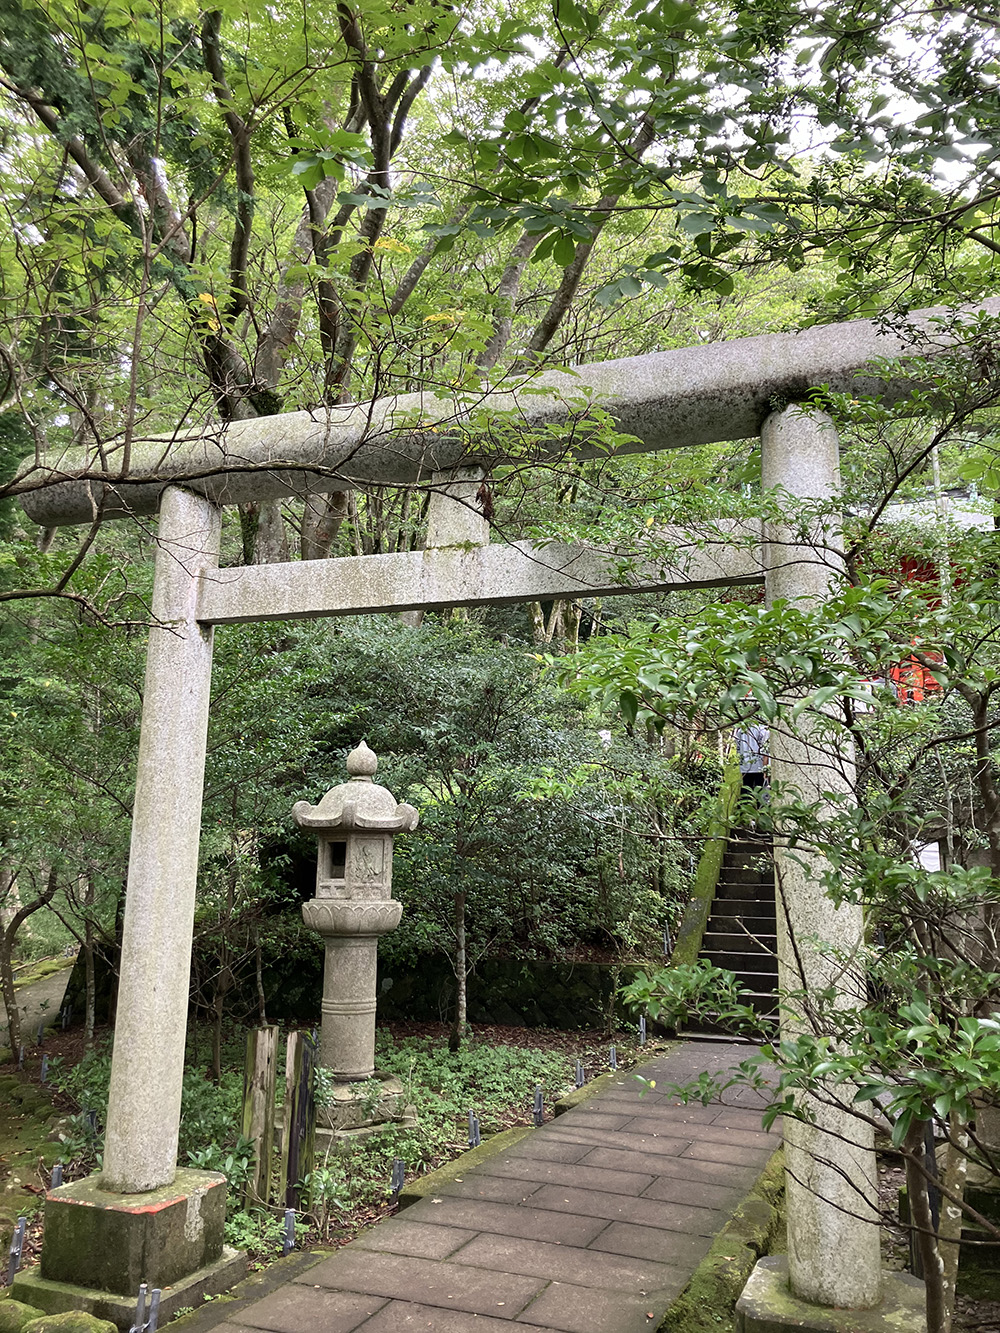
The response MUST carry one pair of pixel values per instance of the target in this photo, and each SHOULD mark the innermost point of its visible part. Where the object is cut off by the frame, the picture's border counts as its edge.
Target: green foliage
(696, 991)
(210, 1112)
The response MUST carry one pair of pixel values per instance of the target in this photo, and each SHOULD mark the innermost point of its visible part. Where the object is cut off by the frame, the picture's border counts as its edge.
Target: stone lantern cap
(359, 803)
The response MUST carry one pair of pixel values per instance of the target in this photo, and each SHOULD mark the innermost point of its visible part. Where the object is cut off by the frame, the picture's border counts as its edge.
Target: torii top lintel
(686, 396)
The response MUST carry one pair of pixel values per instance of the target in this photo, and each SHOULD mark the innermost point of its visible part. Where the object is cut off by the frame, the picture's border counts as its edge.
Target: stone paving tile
(683, 1168)
(400, 1235)
(728, 1152)
(292, 1308)
(638, 1242)
(741, 1117)
(583, 1310)
(567, 1173)
(406, 1315)
(451, 1286)
(566, 1263)
(596, 1138)
(660, 1107)
(547, 1149)
(739, 1138)
(592, 1224)
(509, 1220)
(701, 1193)
(622, 1208)
(591, 1117)
(479, 1185)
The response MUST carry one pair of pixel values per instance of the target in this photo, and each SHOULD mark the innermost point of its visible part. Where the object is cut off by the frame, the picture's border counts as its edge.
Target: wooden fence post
(259, 1082)
(298, 1138)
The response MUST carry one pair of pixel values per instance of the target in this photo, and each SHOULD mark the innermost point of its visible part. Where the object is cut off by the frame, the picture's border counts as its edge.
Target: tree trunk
(7, 937)
(461, 976)
(88, 963)
(270, 545)
(924, 1234)
(321, 520)
(953, 1172)
(218, 1010)
(9, 994)
(119, 929)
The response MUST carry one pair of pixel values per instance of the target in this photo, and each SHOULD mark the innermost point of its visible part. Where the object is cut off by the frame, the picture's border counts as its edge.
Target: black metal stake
(398, 1176)
(539, 1108)
(642, 1029)
(475, 1138)
(57, 1175)
(580, 1077)
(613, 1057)
(140, 1310)
(16, 1246)
(43, 1076)
(154, 1310)
(288, 1242)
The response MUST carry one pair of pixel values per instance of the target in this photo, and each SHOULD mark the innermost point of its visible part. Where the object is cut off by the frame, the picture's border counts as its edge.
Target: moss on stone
(71, 1321)
(706, 878)
(45, 967)
(707, 1303)
(15, 1314)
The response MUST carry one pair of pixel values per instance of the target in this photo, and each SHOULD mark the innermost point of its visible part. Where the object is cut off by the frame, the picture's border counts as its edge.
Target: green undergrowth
(349, 1185)
(27, 1117)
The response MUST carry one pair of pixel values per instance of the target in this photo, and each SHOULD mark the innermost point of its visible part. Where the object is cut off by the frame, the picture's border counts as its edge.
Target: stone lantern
(354, 824)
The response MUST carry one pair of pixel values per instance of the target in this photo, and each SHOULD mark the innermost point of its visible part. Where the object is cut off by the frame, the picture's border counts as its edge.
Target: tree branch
(239, 133)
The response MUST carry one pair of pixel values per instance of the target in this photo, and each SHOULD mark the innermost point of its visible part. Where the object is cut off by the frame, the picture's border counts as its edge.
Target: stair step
(739, 941)
(759, 964)
(745, 893)
(745, 875)
(750, 910)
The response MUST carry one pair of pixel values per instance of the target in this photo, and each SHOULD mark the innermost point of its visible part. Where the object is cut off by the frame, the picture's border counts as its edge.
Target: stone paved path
(591, 1224)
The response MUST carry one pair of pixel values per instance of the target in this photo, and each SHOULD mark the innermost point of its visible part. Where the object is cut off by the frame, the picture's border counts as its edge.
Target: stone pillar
(454, 514)
(147, 1063)
(833, 1247)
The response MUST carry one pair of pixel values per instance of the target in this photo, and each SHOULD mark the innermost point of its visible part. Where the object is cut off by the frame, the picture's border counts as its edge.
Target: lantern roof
(360, 803)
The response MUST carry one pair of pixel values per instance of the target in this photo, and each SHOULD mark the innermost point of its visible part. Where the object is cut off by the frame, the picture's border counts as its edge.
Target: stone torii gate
(664, 400)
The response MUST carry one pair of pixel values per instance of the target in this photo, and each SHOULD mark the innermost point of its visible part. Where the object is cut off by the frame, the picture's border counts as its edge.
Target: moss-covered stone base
(57, 1297)
(113, 1242)
(768, 1306)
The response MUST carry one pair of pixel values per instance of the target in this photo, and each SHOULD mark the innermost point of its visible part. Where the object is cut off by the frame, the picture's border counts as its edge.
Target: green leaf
(629, 706)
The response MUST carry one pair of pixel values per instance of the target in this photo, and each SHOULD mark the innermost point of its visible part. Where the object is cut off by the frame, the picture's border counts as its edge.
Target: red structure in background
(911, 681)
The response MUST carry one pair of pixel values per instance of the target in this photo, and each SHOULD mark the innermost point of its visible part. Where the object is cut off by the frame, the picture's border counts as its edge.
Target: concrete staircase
(741, 930)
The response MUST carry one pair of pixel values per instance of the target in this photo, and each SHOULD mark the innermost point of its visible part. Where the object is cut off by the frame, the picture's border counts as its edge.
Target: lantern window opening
(337, 858)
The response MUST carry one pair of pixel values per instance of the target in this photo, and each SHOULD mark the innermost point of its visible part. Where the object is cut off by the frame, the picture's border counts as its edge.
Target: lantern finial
(362, 763)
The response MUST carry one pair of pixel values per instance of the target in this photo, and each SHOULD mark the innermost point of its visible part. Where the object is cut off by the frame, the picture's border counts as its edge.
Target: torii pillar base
(99, 1247)
(768, 1306)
